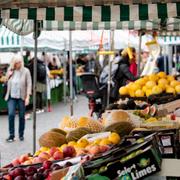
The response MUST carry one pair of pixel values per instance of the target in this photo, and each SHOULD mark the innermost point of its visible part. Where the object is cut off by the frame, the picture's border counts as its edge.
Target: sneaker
(21, 138)
(10, 139)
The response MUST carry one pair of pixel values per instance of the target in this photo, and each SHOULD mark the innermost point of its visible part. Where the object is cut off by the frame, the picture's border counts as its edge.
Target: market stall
(125, 159)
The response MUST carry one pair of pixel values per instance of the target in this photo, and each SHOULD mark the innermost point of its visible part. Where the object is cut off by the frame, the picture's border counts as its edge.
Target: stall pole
(34, 83)
(139, 54)
(175, 60)
(110, 67)
(64, 76)
(71, 75)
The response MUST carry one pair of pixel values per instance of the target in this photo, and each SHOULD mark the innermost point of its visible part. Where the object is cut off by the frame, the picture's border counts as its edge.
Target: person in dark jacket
(123, 74)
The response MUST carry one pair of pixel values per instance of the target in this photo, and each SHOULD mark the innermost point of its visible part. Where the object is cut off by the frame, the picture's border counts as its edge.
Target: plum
(38, 176)
(30, 171)
(46, 173)
(20, 178)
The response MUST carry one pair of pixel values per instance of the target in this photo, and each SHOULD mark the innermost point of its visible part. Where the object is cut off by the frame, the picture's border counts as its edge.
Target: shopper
(123, 74)
(18, 93)
(53, 64)
(133, 65)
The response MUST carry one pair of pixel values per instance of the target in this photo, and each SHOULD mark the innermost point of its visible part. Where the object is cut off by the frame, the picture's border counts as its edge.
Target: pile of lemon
(151, 85)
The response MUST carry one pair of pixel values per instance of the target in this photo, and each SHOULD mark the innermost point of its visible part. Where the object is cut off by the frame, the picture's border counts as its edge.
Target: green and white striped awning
(8, 39)
(172, 25)
(106, 13)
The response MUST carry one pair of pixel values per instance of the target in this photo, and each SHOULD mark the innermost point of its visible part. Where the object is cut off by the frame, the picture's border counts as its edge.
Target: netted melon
(122, 128)
(58, 131)
(52, 139)
(89, 123)
(77, 134)
(68, 123)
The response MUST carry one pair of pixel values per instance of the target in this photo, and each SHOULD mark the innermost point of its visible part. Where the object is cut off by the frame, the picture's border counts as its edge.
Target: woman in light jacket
(19, 88)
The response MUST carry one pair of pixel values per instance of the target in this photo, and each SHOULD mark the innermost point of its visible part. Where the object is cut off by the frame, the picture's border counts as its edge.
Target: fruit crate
(167, 139)
(113, 163)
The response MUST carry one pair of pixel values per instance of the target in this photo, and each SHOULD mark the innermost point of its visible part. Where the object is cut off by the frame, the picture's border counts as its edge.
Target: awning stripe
(106, 13)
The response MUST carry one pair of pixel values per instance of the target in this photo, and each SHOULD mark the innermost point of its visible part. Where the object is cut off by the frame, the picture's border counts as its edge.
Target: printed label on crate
(166, 140)
(168, 150)
(137, 171)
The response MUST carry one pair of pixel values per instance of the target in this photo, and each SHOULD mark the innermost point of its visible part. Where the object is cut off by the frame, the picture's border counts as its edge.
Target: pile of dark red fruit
(32, 172)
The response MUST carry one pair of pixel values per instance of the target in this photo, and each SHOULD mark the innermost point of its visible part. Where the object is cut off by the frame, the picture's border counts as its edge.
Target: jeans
(12, 104)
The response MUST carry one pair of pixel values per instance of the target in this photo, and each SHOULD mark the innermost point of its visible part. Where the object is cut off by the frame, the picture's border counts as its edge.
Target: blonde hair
(17, 58)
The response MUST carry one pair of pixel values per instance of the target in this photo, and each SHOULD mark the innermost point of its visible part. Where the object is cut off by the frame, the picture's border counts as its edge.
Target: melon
(153, 110)
(58, 131)
(145, 111)
(52, 139)
(77, 134)
(122, 128)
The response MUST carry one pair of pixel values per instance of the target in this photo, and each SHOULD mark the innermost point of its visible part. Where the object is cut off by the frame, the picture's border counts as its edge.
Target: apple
(30, 178)
(44, 155)
(38, 160)
(103, 148)
(28, 162)
(16, 162)
(53, 150)
(23, 158)
(58, 155)
(7, 177)
(69, 151)
(94, 150)
(30, 171)
(47, 164)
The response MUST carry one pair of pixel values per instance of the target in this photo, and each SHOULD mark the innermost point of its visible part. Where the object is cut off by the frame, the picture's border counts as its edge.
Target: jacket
(25, 81)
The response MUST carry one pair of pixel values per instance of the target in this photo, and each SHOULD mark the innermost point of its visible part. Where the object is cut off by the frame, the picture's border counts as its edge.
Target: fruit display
(34, 172)
(70, 123)
(51, 139)
(151, 85)
(57, 72)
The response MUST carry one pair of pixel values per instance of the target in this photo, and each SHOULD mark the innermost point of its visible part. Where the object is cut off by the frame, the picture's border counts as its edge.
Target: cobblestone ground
(45, 121)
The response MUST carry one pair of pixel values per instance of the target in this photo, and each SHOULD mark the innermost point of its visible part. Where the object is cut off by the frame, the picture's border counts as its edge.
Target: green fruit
(141, 140)
(59, 131)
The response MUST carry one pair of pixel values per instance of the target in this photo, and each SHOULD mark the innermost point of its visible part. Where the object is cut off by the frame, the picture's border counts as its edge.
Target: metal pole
(22, 42)
(139, 54)
(71, 75)
(110, 67)
(175, 60)
(64, 76)
(34, 84)
(165, 62)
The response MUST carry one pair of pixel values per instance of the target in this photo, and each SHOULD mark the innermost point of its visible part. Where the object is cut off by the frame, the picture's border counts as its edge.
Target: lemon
(139, 93)
(63, 146)
(170, 90)
(161, 75)
(97, 141)
(177, 88)
(163, 81)
(131, 93)
(153, 77)
(162, 86)
(123, 90)
(114, 138)
(43, 149)
(148, 92)
(150, 84)
(37, 153)
(156, 90)
(170, 78)
(174, 83)
(105, 141)
(135, 87)
(140, 82)
(72, 143)
(144, 89)
(82, 143)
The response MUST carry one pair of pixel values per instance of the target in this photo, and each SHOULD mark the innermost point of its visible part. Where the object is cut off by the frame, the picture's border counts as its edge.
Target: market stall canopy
(108, 13)
(63, 3)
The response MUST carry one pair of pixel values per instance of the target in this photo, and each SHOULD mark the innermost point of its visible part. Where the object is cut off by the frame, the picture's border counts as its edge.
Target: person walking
(19, 86)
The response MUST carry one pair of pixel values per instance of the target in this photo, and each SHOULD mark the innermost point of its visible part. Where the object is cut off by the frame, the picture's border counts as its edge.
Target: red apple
(16, 162)
(53, 150)
(47, 164)
(44, 155)
(20, 178)
(58, 155)
(69, 151)
(23, 158)
(7, 177)
(30, 171)
(17, 172)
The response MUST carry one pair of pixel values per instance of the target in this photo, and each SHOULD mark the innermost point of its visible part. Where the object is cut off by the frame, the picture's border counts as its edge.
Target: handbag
(5, 86)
